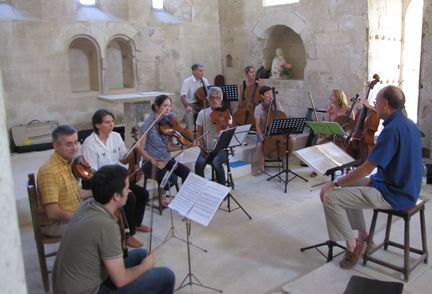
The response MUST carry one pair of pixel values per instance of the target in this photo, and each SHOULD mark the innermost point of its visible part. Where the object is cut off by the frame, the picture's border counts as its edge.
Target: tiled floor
(261, 255)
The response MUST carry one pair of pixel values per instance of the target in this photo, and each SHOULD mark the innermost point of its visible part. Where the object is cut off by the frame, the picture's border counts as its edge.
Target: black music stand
(223, 143)
(230, 92)
(287, 127)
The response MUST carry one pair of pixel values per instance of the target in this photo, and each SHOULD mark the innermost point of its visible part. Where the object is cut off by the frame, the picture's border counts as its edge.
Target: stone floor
(261, 255)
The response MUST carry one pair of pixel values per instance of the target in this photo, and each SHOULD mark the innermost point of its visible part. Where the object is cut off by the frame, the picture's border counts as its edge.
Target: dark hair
(195, 66)
(60, 131)
(264, 89)
(248, 68)
(219, 80)
(394, 96)
(159, 100)
(98, 118)
(109, 179)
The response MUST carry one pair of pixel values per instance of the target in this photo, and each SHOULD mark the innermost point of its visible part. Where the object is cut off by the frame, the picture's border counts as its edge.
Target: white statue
(279, 62)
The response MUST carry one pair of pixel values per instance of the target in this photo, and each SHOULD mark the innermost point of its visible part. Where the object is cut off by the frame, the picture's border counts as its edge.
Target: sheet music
(240, 135)
(324, 157)
(199, 198)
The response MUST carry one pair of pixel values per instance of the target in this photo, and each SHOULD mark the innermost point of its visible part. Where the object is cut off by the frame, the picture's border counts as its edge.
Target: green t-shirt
(91, 237)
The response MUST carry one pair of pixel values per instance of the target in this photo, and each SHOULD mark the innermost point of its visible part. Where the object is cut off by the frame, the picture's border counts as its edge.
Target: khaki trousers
(343, 209)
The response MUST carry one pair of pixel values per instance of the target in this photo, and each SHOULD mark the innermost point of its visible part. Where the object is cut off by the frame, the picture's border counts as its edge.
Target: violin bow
(145, 133)
(313, 105)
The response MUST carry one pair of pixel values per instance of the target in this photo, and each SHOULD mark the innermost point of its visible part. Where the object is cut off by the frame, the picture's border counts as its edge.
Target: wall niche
(84, 56)
(120, 64)
(281, 36)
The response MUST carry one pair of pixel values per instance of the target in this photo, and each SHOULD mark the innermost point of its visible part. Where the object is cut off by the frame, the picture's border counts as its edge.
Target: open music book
(324, 157)
(199, 198)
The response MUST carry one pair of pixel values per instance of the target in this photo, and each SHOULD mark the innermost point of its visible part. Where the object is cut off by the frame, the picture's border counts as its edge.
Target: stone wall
(334, 37)
(425, 99)
(35, 63)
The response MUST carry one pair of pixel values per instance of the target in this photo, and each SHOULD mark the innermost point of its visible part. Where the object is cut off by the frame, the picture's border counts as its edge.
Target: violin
(221, 118)
(133, 159)
(170, 127)
(82, 169)
(362, 139)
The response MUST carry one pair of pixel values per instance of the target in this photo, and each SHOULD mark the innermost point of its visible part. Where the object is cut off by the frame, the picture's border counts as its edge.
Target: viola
(367, 121)
(170, 127)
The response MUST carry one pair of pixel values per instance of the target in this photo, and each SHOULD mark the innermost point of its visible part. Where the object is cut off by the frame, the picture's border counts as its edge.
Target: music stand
(223, 143)
(230, 92)
(287, 127)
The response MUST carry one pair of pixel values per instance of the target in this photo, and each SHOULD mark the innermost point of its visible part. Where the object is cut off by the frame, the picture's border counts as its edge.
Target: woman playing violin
(205, 124)
(337, 108)
(105, 147)
(157, 146)
(261, 123)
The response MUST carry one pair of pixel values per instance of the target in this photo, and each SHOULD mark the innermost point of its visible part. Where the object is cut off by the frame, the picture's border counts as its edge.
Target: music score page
(199, 199)
(324, 157)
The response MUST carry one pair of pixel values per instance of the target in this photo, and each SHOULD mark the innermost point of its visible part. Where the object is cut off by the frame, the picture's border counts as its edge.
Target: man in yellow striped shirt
(58, 188)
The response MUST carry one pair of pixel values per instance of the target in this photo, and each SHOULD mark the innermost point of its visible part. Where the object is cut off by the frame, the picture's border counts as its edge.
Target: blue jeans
(216, 163)
(156, 280)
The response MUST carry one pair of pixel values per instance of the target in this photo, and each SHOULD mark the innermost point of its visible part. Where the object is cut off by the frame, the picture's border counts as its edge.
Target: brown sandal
(258, 172)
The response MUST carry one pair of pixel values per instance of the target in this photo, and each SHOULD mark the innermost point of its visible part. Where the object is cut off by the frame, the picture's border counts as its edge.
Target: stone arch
(84, 64)
(119, 70)
(292, 24)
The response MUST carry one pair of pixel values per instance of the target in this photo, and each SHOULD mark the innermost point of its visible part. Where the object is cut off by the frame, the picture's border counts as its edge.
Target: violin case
(33, 136)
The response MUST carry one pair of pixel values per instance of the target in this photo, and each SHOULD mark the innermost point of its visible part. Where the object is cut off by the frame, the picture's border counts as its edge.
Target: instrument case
(34, 136)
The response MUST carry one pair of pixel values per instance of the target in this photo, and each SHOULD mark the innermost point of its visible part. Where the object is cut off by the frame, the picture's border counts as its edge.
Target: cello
(273, 144)
(362, 140)
(250, 97)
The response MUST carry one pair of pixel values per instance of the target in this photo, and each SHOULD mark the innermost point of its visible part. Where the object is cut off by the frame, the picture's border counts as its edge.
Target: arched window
(84, 65)
(120, 68)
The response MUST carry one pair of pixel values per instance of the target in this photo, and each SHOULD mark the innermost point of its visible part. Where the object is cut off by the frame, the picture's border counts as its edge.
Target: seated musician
(204, 125)
(396, 185)
(103, 147)
(57, 186)
(338, 108)
(261, 115)
(189, 87)
(157, 146)
(91, 258)
(249, 97)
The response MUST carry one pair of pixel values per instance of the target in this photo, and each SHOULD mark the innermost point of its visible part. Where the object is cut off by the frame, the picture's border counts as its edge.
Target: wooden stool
(406, 215)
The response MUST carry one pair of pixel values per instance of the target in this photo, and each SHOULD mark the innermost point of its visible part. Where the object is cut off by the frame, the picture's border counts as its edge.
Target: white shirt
(189, 86)
(98, 154)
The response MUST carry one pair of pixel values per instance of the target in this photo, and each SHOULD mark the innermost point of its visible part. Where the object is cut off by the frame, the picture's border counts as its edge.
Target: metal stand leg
(172, 231)
(188, 280)
(330, 245)
(228, 209)
(286, 171)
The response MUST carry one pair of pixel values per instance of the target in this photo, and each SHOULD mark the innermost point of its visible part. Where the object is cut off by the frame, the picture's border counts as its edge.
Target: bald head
(394, 96)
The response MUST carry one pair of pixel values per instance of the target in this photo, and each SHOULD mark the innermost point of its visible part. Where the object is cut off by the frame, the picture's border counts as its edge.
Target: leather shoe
(350, 259)
(133, 242)
(144, 229)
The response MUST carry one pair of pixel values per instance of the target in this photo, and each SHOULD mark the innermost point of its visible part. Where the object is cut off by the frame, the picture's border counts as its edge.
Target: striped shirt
(57, 184)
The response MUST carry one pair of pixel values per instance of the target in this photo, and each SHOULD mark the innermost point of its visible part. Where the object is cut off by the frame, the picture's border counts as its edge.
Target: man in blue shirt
(396, 184)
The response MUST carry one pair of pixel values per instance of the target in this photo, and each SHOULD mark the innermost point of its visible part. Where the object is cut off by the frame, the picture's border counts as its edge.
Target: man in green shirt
(90, 258)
